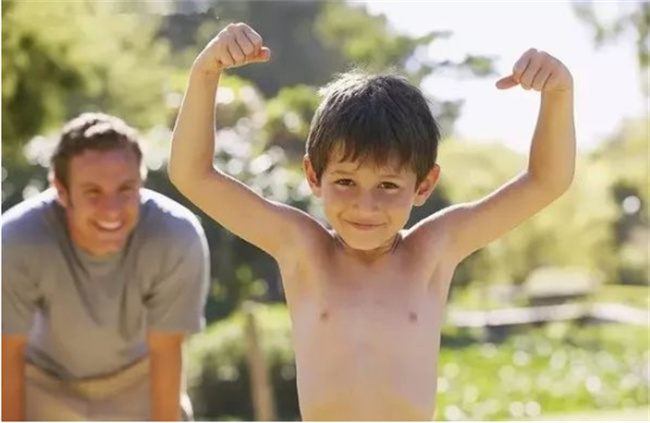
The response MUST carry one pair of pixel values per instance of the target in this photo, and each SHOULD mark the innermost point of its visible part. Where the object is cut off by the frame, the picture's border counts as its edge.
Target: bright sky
(607, 80)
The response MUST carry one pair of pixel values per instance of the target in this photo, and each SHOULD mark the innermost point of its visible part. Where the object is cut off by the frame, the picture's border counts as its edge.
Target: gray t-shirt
(88, 316)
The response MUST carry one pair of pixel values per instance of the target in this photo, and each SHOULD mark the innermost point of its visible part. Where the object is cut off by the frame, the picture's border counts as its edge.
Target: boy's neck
(368, 256)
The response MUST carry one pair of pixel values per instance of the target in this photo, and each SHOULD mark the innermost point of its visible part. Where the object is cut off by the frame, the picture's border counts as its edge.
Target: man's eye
(344, 182)
(388, 185)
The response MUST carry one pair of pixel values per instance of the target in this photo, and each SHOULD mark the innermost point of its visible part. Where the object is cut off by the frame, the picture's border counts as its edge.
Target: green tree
(368, 41)
(299, 56)
(62, 58)
(631, 16)
(316, 40)
(624, 160)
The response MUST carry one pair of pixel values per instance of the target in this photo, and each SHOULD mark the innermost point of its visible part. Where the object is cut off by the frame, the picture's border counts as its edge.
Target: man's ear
(62, 194)
(310, 174)
(427, 185)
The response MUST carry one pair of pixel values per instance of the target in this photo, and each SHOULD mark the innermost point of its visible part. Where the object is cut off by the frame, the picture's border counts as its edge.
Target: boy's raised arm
(263, 223)
(550, 167)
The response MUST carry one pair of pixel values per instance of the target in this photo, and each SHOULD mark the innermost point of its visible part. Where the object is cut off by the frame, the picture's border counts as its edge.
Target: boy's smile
(366, 204)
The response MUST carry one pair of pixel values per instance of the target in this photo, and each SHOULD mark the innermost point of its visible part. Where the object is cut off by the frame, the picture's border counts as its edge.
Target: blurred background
(550, 322)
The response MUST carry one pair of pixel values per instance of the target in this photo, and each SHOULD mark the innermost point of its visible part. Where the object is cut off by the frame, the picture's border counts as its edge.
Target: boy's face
(367, 205)
(102, 200)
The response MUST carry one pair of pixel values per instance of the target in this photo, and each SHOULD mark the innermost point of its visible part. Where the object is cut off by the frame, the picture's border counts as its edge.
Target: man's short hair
(375, 118)
(92, 131)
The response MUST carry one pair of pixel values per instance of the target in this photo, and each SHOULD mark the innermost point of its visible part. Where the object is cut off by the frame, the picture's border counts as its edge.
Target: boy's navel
(413, 317)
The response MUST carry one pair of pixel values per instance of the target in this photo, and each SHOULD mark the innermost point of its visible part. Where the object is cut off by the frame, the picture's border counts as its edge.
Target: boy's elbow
(555, 186)
(558, 187)
(172, 174)
(186, 179)
(566, 180)
(176, 177)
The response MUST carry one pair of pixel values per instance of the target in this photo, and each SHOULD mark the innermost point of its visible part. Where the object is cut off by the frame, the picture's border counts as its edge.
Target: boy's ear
(427, 185)
(310, 174)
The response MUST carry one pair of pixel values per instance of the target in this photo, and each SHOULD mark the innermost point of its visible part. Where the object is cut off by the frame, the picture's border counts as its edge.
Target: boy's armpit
(472, 226)
(273, 227)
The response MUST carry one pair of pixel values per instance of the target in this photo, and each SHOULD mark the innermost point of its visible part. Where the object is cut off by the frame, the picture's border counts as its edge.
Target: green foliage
(625, 157)
(623, 167)
(299, 57)
(631, 15)
(368, 41)
(633, 296)
(62, 58)
(582, 228)
(219, 379)
(288, 117)
(560, 368)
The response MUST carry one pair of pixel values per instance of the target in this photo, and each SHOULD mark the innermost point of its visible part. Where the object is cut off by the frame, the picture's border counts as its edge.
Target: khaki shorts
(122, 396)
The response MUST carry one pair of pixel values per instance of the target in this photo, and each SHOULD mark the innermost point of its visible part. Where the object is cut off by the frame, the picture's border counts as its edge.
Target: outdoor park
(551, 322)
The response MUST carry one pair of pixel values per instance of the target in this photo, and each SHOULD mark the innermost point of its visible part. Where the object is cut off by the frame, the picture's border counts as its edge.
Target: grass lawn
(634, 414)
(633, 296)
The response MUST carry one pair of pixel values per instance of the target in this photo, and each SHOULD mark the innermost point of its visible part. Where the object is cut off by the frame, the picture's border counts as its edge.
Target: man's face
(102, 200)
(367, 205)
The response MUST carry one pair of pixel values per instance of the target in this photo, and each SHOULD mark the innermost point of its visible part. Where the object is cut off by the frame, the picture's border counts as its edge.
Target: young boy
(367, 298)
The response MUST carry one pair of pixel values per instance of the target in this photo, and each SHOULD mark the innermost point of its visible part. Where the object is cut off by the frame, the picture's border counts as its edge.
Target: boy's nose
(366, 202)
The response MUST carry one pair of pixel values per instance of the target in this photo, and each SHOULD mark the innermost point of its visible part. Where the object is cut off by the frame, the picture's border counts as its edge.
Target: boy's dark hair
(374, 117)
(91, 131)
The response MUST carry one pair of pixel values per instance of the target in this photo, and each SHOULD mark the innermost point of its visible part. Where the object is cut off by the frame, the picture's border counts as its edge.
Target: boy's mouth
(363, 226)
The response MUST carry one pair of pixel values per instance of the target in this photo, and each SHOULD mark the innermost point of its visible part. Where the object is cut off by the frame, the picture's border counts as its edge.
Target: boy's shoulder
(432, 232)
(426, 244)
(310, 248)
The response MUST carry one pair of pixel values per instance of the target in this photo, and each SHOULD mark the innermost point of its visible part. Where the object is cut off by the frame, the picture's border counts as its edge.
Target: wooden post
(261, 387)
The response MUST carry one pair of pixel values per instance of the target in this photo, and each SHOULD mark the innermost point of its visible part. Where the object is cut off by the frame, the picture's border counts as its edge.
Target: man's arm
(266, 224)
(166, 369)
(550, 168)
(13, 377)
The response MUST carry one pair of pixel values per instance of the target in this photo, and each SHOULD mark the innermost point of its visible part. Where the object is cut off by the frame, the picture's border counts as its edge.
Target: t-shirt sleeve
(177, 298)
(20, 294)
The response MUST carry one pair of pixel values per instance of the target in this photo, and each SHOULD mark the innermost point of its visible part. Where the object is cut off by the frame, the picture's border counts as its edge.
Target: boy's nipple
(413, 317)
(324, 316)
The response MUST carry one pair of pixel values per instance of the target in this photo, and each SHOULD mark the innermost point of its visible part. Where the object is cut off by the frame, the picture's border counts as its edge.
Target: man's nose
(113, 204)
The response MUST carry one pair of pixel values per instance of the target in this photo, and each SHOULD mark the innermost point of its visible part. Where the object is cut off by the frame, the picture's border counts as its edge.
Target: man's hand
(236, 45)
(540, 71)
(13, 377)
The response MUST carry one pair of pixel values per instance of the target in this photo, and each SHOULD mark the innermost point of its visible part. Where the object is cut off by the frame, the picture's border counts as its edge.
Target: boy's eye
(388, 185)
(344, 182)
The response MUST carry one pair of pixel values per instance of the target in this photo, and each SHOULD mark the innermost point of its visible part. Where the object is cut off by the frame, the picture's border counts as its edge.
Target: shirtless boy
(367, 297)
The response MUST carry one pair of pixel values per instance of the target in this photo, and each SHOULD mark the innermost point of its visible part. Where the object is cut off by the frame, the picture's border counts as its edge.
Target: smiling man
(101, 282)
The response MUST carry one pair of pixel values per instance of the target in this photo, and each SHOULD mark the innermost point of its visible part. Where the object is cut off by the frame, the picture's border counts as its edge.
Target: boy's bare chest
(373, 296)
(368, 304)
